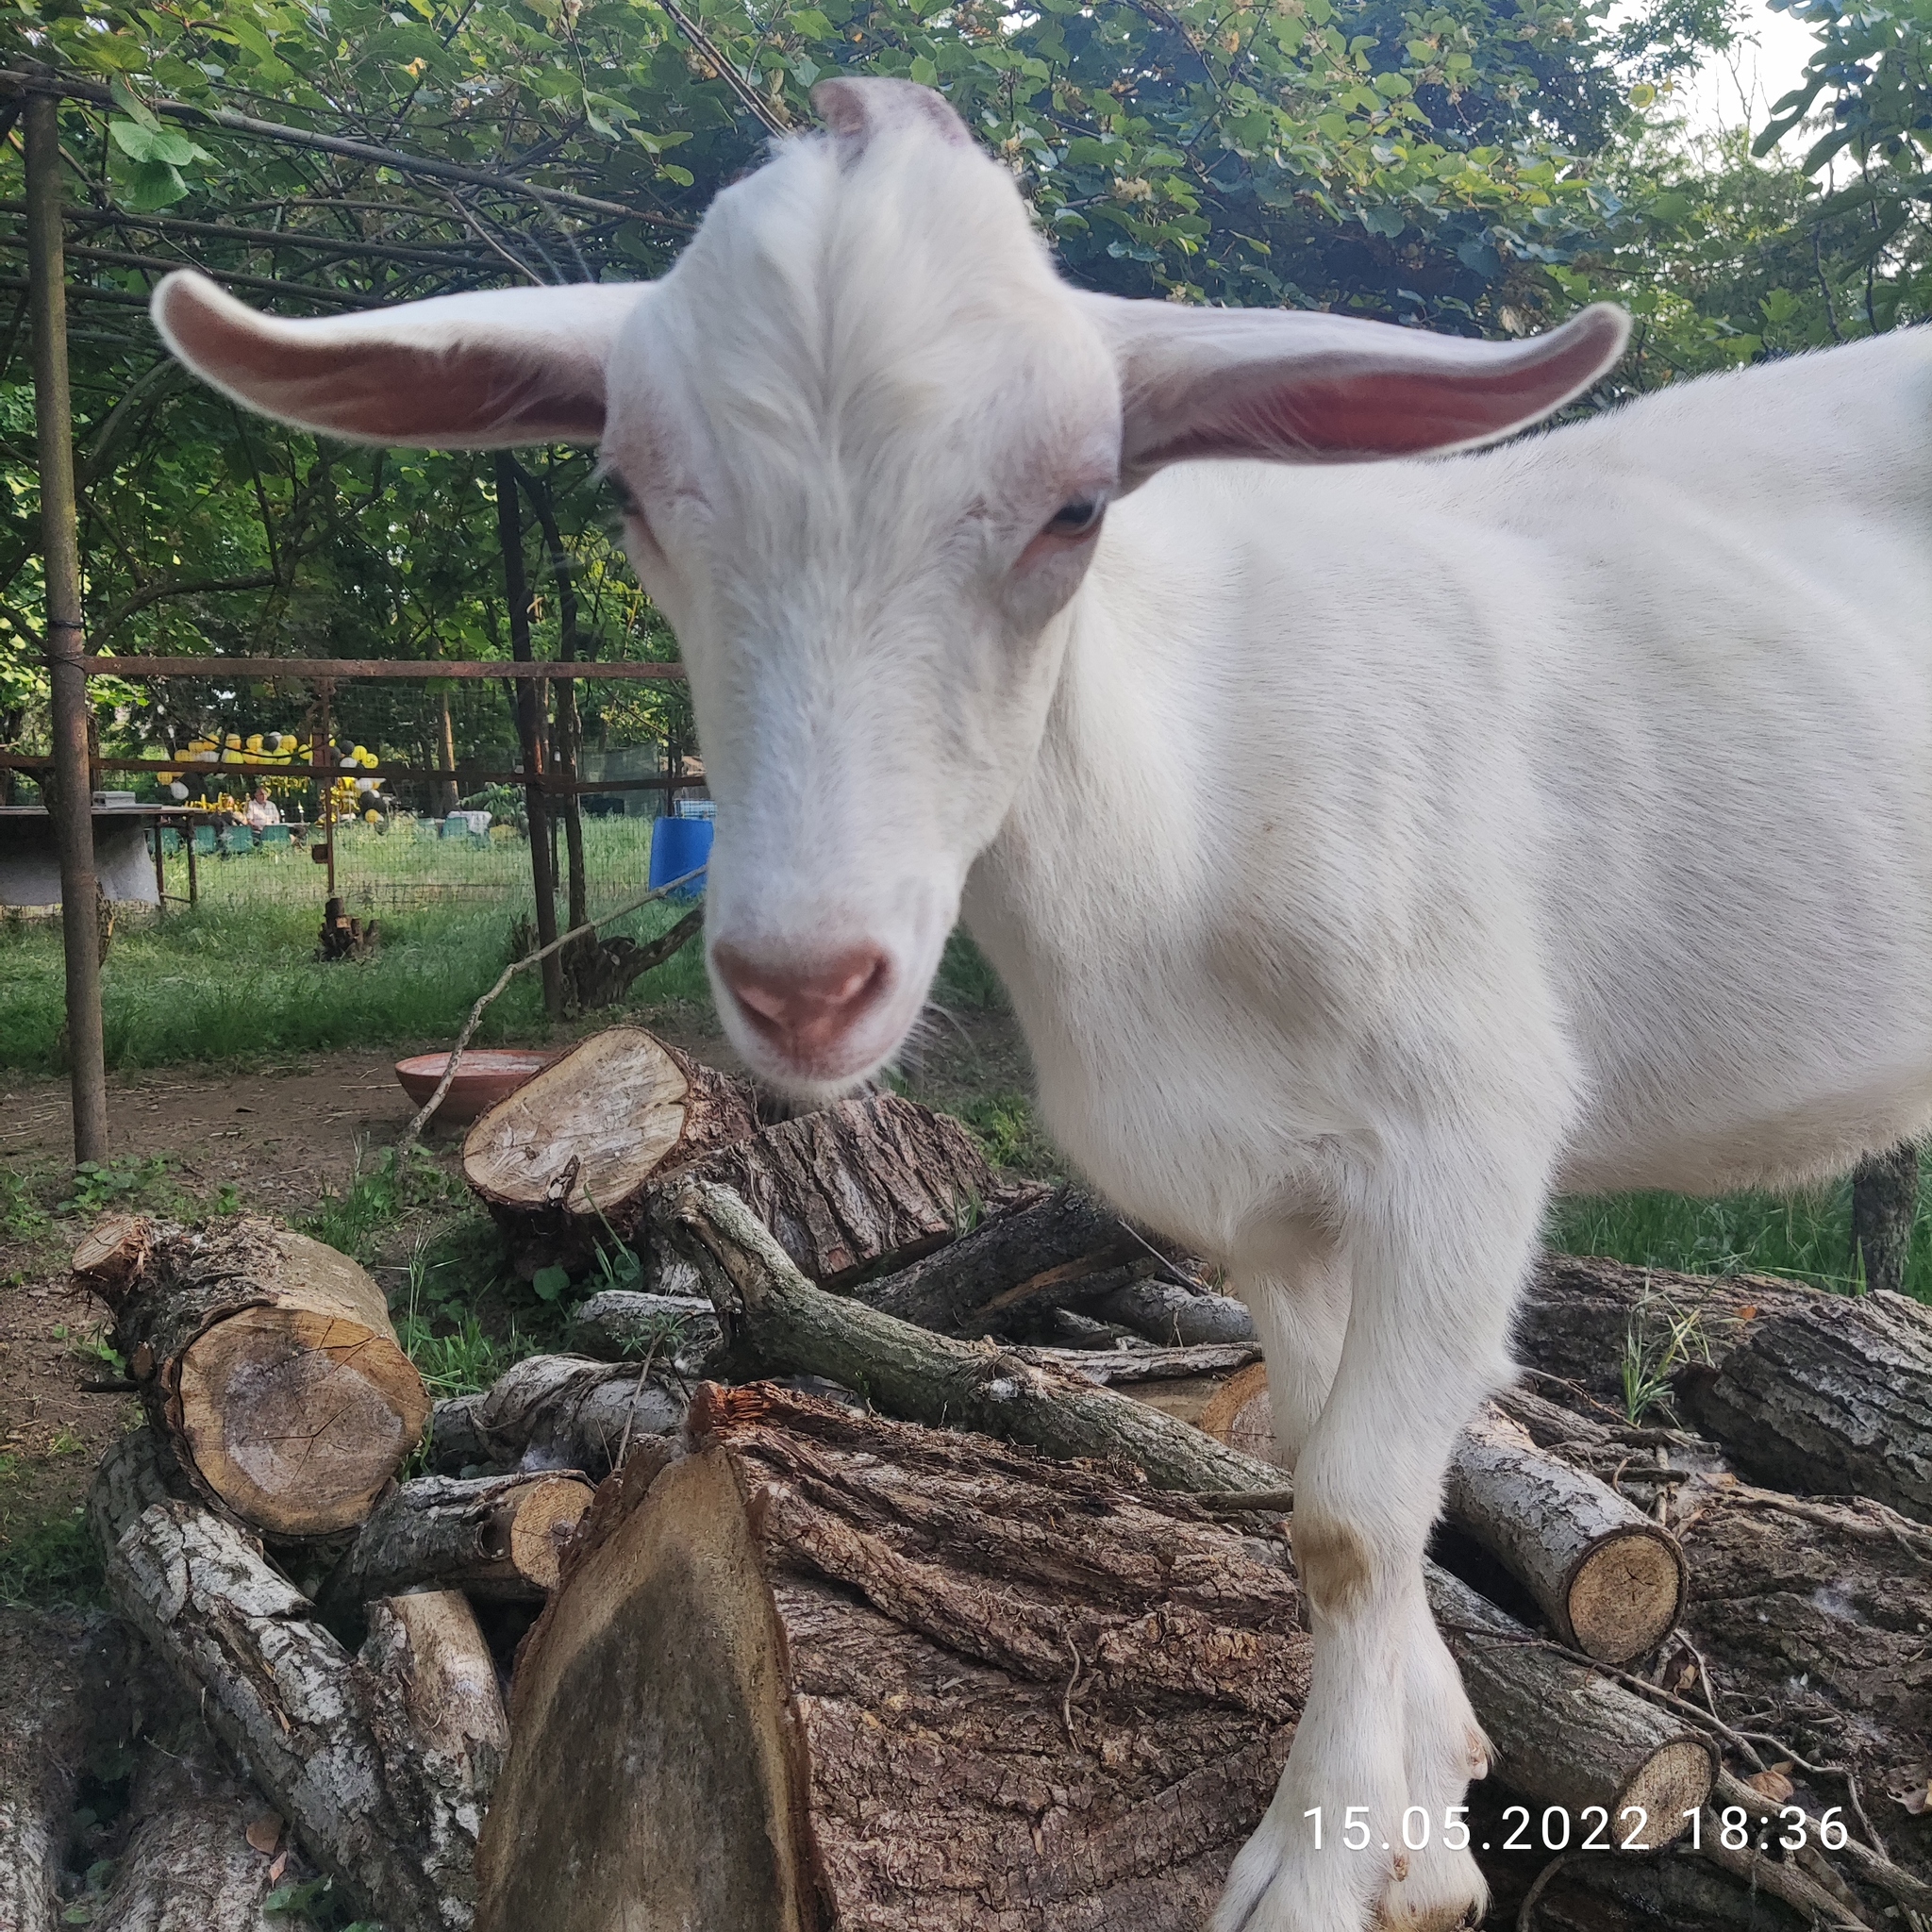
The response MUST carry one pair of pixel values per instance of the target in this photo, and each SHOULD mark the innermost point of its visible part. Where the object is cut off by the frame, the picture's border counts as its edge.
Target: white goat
(1368, 849)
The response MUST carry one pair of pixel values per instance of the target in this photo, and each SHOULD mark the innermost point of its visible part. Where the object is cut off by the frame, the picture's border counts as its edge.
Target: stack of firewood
(906, 1553)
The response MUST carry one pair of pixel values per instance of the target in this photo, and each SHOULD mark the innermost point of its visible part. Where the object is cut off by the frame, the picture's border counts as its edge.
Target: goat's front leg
(1436, 1260)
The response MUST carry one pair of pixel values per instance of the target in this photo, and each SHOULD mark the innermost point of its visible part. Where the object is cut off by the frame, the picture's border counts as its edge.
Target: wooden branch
(348, 150)
(1106, 1367)
(1609, 1580)
(1611, 1742)
(501, 1537)
(557, 1411)
(620, 1324)
(334, 1740)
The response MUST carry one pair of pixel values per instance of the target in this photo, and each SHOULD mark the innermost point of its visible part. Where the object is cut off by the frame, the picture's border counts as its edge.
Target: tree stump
(267, 1360)
(833, 1670)
(573, 1149)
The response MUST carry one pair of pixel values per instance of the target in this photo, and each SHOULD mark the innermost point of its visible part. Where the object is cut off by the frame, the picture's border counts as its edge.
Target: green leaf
(551, 1283)
(132, 105)
(924, 71)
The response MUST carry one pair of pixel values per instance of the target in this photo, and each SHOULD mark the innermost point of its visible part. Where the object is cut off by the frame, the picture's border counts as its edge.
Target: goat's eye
(1079, 518)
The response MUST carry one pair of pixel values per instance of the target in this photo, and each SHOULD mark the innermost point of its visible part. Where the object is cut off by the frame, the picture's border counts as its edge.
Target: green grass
(1807, 1234)
(50, 1561)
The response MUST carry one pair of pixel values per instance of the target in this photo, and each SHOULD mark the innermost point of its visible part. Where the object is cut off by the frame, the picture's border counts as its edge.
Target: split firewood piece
(898, 1679)
(573, 1149)
(622, 1324)
(204, 1853)
(774, 1318)
(1064, 1237)
(268, 1359)
(1611, 1581)
(50, 1694)
(332, 1740)
(1832, 1396)
(857, 1183)
(557, 1412)
(498, 1537)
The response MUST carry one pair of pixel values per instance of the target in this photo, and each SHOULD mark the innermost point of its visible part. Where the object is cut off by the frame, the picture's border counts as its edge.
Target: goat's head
(865, 438)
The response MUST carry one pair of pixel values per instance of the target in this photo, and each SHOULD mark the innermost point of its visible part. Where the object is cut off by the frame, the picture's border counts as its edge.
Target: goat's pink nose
(807, 1008)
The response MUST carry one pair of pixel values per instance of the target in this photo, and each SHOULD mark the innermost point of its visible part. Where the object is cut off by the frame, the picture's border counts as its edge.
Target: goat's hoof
(1442, 1892)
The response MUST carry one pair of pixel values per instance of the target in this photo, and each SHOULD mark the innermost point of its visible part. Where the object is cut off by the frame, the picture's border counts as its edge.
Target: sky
(1762, 68)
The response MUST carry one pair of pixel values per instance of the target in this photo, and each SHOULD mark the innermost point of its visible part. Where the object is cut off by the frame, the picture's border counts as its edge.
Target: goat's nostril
(809, 1003)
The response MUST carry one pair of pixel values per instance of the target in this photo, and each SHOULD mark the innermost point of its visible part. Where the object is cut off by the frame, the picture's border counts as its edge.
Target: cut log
(833, 1670)
(268, 1361)
(1109, 1366)
(857, 1183)
(773, 1315)
(556, 1411)
(1608, 1579)
(496, 1537)
(1066, 1230)
(328, 1738)
(1582, 1317)
(572, 1151)
(621, 1325)
(1176, 1317)
(191, 1864)
(1830, 1397)
(48, 1713)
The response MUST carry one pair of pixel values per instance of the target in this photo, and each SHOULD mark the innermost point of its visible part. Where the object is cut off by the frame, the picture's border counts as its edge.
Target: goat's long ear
(1298, 387)
(481, 370)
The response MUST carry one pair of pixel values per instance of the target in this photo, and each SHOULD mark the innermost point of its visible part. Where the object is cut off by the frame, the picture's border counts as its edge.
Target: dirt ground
(274, 1139)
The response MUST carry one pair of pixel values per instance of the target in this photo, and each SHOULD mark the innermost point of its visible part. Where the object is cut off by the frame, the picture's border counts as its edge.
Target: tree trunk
(857, 1183)
(557, 1411)
(330, 1737)
(600, 972)
(775, 1318)
(446, 745)
(49, 1709)
(498, 1537)
(1885, 1205)
(568, 731)
(268, 1359)
(1609, 1580)
(566, 1158)
(1831, 1398)
(893, 1680)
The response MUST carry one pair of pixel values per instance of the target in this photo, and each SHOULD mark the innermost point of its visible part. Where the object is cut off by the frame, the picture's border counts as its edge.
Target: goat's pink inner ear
(427, 374)
(1382, 392)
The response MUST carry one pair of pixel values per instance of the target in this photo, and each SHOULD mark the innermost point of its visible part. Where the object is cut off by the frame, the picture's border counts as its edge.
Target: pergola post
(73, 801)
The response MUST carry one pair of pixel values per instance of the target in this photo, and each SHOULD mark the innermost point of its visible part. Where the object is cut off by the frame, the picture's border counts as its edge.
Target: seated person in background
(262, 811)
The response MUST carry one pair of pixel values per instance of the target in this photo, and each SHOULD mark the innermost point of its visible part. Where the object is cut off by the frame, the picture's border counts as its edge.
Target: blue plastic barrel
(679, 846)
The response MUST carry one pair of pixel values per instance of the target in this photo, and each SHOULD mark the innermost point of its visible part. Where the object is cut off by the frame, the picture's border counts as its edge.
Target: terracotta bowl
(484, 1076)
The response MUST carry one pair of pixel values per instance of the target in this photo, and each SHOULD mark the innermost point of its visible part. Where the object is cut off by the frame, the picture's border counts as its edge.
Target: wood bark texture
(190, 1865)
(891, 1680)
(857, 1183)
(328, 1739)
(47, 1719)
(1176, 1317)
(620, 1324)
(1885, 1204)
(771, 1314)
(1107, 1367)
(1609, 1580)
(1066, 1234)
(268, 1361)
(556, 1412)
(1832, 1397)
(576, 1146)
(494, 1537)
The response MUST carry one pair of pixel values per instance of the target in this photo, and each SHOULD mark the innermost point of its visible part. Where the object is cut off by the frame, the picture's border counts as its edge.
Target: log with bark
(1830, 1397)
(52, 1687)
(622, 1324)
(267, 1360)
(203, 1851)
(776, 1321)
(500, 1538)
(859, 1183)
(385, 1803)
(890, 1678)
(570, 1154)
(556, 1412)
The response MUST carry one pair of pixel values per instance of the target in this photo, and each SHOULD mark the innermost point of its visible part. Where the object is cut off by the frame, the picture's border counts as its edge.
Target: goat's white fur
(1368, 849)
